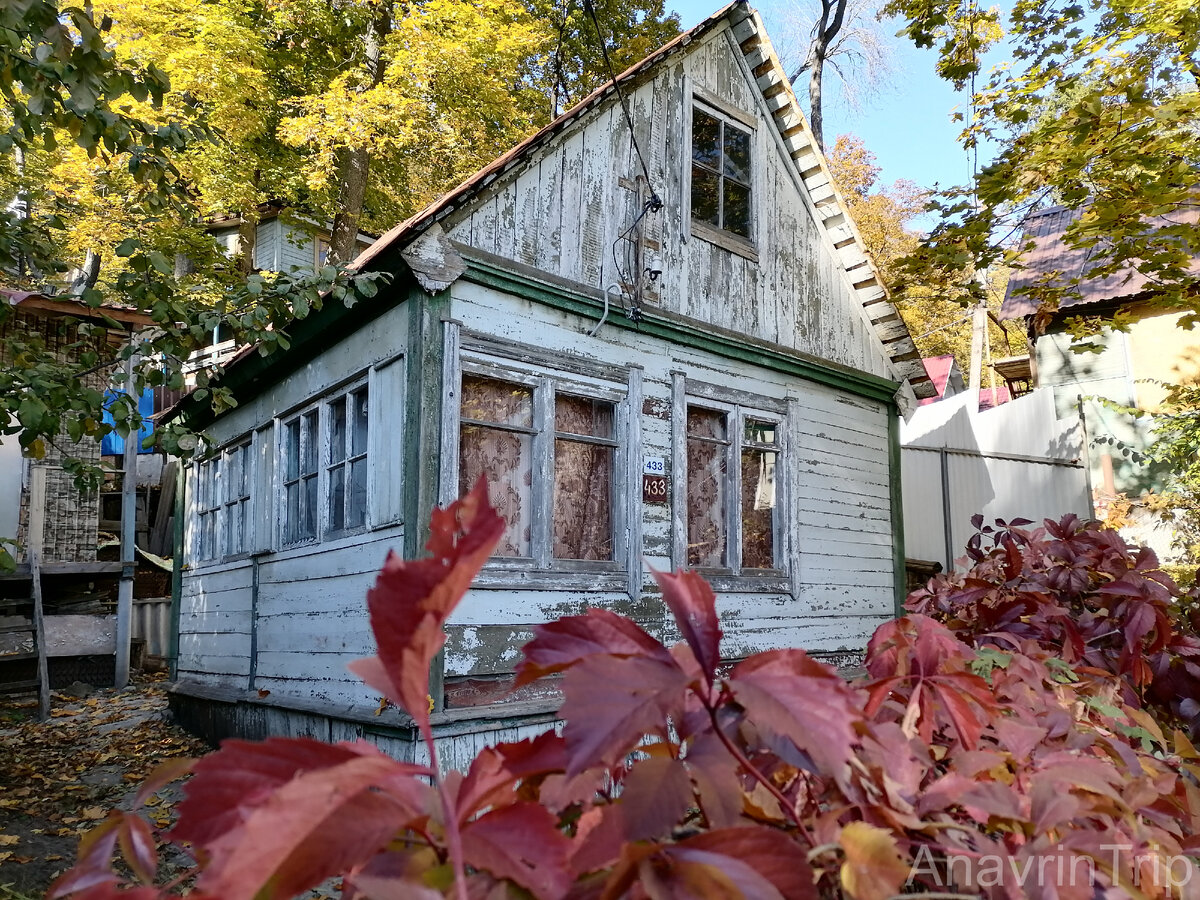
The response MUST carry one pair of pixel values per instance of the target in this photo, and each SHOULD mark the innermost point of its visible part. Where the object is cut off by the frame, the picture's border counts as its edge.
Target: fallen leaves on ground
(58, 778)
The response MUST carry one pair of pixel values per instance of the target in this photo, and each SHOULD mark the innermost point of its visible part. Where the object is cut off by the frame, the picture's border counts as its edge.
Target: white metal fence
(1018, 460)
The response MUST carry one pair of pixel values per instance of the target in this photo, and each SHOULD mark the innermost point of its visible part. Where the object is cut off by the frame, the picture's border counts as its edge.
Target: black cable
(591, 10)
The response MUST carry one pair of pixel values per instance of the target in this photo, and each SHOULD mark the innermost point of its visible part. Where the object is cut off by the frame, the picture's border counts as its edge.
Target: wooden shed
(663, 346)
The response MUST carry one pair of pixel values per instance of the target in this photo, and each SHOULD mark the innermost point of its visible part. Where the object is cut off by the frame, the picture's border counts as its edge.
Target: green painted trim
(899, 573)
(678, 330)
(177, 571)
(422, 436)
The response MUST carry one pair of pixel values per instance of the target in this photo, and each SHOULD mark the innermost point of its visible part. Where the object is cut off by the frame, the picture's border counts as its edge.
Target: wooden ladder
(31, 606)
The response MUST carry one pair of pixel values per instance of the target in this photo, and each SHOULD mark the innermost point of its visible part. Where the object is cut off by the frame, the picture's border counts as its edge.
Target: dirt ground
(59, 777)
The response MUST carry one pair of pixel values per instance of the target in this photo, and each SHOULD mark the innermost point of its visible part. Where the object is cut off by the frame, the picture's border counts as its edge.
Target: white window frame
(738, 407)
(727, 114)
(541, 570)
(284, 426)
(327, 465)
(207, 537)
(237, 507)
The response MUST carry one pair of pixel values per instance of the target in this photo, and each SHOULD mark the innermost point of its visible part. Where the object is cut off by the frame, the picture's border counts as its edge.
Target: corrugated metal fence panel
(996, 488)
(152, 623)
(921, 472)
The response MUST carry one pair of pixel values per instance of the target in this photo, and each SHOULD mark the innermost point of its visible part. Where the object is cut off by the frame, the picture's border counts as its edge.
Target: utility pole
(978, 330)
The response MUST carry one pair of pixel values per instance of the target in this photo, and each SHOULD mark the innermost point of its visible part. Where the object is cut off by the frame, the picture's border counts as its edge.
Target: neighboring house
(75, 579)
(284, 241)
(1155, 348)
(700, 371)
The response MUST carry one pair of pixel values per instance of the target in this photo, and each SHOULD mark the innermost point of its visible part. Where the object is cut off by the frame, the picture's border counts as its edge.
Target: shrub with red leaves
(1021, 746)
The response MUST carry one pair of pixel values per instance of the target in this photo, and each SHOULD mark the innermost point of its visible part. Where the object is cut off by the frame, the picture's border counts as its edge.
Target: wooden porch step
(16, 687)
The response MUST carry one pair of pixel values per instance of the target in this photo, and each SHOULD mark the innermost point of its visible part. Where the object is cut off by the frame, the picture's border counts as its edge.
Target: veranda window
(549, 456)
(300, 452)
(236, 486)
(347, 464)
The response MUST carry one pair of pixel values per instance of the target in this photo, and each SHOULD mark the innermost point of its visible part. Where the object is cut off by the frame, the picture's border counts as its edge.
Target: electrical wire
(591, 11)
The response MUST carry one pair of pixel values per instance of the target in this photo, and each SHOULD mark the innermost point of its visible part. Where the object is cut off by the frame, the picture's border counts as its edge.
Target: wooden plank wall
(562, 211)
(840, 535)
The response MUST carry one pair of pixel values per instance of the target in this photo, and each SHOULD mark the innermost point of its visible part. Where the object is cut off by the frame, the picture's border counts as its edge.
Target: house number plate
(654, 480)
(654, 488)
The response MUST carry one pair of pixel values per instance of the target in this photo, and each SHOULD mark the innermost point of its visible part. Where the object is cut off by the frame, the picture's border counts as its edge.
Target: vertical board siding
(563, 209)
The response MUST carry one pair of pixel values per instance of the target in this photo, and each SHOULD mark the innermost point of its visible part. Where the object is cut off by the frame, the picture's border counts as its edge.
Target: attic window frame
(728, 115)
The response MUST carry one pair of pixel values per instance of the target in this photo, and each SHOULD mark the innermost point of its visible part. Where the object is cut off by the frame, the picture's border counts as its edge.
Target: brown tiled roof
(1051, 255)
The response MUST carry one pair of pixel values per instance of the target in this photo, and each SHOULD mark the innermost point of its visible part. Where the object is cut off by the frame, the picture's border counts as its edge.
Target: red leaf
(599, 838)
(161, 776)
(231, 783)
(494, 773)
(559, 645)
(715, 773)
(610, 703)
(317, 825)
(521, 843)
(282, 815)
(771, 857)
(93, 866)
(692, 602)
(138, 847)
(802, 699)
(655, 796)
(411, 601)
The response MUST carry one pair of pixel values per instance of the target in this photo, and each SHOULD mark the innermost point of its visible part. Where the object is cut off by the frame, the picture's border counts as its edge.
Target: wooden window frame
(205, 543)
(327, 465)
(284, 426)
(542, 570)
(232, 505)
(728, 116)
(738, 407)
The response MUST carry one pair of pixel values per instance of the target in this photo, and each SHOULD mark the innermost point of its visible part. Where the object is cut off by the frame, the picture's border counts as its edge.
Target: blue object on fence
(112, 443)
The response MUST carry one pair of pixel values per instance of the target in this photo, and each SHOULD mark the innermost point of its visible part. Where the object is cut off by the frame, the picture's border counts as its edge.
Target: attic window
(720, 173)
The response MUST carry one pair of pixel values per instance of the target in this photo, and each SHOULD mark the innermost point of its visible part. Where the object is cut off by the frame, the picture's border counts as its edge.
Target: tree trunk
(86, 275)
(826, 29)
(247, 240)
(355, 163)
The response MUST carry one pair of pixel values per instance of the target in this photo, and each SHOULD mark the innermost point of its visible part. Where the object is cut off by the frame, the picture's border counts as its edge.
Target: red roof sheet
(1051, 254)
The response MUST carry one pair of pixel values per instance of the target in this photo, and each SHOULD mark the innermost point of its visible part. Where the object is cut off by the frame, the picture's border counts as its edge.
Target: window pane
(233, 476)
(706, 423)
(308, 518)
(506, 458)
(705, 196)
(358, 442)
(356, 511)
(497, 401)
(579, 415)
(309, 443)
(292, 450)
(705, 502)
(583, 477)
(737, 154)
(337, 498)
(761, 432)
(706, 139)
(737, 208)
(758, 508)
(293, 512)
(337, 430)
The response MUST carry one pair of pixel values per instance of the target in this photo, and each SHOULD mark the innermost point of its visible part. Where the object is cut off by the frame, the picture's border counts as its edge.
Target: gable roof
(831, 210)
(1053, 256)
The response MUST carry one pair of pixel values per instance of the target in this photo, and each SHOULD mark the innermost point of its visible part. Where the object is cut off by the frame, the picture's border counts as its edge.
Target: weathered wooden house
(669, 351)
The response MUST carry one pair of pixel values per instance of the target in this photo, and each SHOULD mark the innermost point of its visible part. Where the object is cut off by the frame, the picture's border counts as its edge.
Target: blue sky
(908, 127)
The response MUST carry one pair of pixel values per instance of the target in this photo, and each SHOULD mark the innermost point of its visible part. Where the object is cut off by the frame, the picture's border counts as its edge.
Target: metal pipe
(604, 318)
(946, 512)
(128, 517)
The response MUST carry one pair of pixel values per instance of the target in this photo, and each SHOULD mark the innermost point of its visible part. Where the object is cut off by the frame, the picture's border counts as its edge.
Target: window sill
(609, 580)
(724, 239)
(723, 581)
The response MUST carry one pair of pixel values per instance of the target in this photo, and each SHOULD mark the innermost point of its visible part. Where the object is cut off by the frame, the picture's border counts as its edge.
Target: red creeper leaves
(411, 601)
